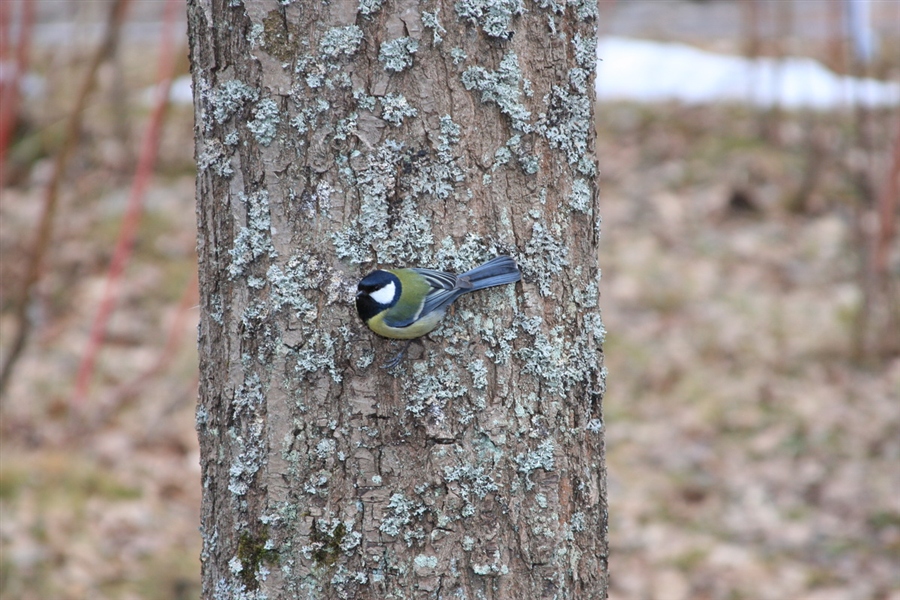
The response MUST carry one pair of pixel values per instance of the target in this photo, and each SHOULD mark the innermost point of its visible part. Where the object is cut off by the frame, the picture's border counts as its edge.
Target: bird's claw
(397, 358)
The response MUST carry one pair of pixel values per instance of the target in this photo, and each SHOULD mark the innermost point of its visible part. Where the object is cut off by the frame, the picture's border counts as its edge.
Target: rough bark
(338, 136)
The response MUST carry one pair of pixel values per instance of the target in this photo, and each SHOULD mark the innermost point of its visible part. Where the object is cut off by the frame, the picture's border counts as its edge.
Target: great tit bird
(405, 304)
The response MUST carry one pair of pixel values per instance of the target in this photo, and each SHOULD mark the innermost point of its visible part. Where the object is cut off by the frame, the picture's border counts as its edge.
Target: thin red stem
(10, 89)
(144, 170)
(44, 229)
(887, 212)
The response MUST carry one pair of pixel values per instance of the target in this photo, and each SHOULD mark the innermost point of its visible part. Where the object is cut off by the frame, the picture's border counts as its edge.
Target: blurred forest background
(751, 290)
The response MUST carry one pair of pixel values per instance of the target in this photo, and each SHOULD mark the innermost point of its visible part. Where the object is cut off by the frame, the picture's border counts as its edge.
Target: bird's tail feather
(497, 271)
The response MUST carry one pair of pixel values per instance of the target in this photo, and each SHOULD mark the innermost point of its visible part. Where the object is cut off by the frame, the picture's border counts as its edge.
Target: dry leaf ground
(750, 454)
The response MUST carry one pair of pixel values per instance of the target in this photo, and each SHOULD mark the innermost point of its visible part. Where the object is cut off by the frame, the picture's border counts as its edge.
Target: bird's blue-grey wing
(438, 280)
(445, 289)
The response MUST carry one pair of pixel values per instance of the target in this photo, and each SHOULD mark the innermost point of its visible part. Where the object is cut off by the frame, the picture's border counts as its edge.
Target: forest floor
(752, 450)
(752, 415)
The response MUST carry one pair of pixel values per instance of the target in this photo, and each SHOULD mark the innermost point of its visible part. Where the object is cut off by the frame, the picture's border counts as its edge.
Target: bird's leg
(393, 362)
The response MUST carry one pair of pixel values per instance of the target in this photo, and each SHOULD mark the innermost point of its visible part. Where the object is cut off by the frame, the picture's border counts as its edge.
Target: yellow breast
(421, 327)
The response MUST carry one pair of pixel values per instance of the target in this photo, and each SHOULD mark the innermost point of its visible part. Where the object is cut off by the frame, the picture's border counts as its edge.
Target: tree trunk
(337, 137)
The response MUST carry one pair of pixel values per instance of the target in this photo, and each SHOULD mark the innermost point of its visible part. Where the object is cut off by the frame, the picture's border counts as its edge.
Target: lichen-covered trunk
(333, 137)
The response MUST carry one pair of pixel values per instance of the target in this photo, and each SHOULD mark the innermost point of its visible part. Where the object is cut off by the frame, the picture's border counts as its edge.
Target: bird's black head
(378, 291)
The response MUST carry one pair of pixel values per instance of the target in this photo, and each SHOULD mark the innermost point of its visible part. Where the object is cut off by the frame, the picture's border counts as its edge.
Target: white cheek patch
(384, 295)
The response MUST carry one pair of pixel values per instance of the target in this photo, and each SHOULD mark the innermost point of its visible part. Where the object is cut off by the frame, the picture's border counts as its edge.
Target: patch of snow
(647, 71)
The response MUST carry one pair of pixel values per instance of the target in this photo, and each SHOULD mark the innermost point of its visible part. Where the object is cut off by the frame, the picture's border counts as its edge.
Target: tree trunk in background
(353, 134)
